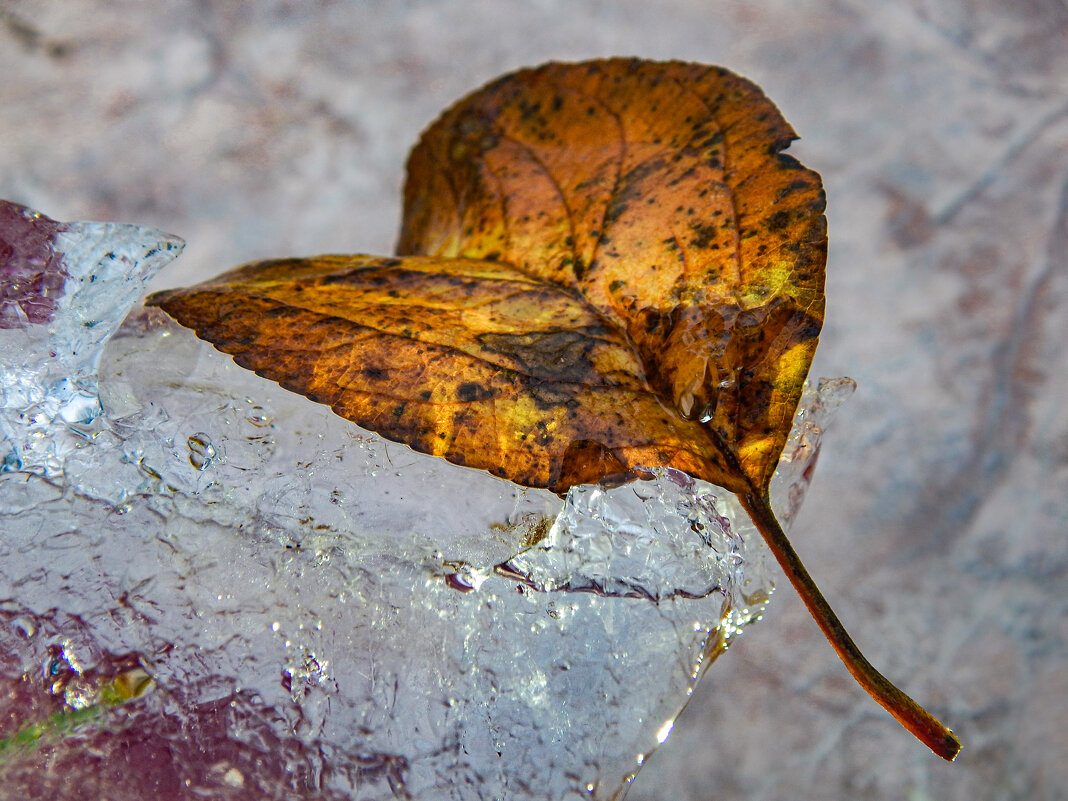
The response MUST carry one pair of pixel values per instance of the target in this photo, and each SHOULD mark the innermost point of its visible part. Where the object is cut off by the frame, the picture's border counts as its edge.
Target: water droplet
(57, 665)
(665, 731)
(79, 697)
(258, 416)
(685, 404)
(201, 451)
(11, 464)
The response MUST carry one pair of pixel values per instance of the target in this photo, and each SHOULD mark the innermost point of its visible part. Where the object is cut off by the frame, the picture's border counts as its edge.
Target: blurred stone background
(937, 523)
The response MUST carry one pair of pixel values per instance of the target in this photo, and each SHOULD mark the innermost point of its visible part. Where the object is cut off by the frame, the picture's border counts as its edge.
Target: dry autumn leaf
(601, 266)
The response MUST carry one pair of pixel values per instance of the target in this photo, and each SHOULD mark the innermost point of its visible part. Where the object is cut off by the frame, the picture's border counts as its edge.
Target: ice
(65, 290)
(211, 587)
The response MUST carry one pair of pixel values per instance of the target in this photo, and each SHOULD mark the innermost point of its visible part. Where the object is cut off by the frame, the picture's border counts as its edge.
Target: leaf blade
(522, 400)
(664, 201)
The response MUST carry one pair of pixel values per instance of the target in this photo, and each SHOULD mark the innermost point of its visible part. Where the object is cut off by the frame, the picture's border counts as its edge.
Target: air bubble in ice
(201, 451)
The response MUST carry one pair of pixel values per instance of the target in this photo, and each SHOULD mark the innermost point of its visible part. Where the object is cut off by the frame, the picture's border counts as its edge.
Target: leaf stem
(908, 713)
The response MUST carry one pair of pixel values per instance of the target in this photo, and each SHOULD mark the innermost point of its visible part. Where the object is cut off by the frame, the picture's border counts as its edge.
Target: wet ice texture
(323, 613)
(64, 289)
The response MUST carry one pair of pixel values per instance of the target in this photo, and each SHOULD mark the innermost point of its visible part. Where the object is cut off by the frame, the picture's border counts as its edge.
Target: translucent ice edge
(48, 385)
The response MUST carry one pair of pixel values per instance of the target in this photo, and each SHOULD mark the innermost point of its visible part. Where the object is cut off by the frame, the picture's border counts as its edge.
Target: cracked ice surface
(321, 612)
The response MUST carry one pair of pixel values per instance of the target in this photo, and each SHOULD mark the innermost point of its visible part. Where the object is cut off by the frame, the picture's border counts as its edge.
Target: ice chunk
(64, 289)
(818, 405)
(226, 591)
(657, 538)
(31, 275)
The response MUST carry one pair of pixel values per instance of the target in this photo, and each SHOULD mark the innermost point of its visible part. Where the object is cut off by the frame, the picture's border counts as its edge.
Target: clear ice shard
(216, 588)
(64, 290)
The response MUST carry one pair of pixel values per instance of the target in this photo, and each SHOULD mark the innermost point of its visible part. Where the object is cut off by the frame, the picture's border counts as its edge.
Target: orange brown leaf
(659, 193)
(601, 266)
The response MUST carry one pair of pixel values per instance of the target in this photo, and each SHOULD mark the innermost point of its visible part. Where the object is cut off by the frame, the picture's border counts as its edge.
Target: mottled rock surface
(937, 520)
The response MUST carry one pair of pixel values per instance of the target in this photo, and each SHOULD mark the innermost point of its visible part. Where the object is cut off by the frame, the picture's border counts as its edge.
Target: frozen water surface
(211, 587)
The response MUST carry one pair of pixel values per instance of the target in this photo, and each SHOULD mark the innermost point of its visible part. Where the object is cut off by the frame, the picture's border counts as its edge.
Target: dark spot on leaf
(778, 220)
(470, 391)
(551, 355)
